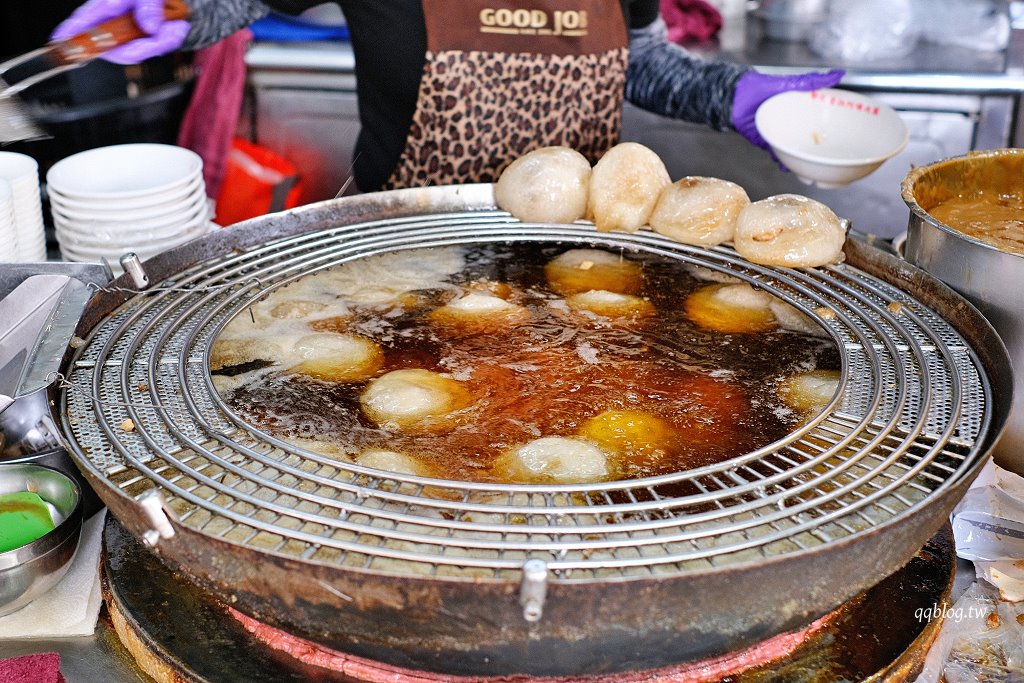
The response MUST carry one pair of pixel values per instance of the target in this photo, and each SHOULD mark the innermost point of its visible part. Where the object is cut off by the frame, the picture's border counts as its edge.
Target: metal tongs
(16, 123)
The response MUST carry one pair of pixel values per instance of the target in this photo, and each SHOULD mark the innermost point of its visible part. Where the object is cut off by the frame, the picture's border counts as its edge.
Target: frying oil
(658, 390)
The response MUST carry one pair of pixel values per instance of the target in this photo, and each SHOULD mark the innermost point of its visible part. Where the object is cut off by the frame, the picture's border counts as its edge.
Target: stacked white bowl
(141, 197)
(8, 228)
(21, 173)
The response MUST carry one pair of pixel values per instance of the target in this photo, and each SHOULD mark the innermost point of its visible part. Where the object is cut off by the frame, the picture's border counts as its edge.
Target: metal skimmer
(909, 421)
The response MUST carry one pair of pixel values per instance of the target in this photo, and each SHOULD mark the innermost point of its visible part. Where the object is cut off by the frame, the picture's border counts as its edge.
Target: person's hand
(755, 87)
(164, 36)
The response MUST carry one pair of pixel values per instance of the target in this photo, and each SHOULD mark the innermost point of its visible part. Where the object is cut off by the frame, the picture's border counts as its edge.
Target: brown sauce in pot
(712, 395)
(993, 218)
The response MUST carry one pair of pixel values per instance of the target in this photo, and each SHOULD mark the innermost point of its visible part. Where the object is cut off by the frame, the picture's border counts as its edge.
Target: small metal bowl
(31, 570)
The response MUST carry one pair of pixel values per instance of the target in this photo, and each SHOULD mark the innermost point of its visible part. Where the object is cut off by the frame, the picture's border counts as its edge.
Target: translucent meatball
(413, 398)
(547, 185)
(699, 210)
(479, 312)
(790, 318)
(580, 270)
(554, 459)
(808, 393)
(297, 308)
(639, 440)
(789, 230)
(389, 461)
(624, 187)
(336, 357)
(731, 308)
(610, 304)
(227, 353)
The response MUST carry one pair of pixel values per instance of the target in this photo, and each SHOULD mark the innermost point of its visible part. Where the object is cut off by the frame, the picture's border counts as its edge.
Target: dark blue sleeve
(666, 79)
(212, 20)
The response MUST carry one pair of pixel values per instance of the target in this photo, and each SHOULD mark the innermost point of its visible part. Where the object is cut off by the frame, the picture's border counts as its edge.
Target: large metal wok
(469, 578)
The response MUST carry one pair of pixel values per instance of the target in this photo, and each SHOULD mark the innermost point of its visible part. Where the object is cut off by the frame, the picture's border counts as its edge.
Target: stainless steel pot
(28, 572)
(986, 276)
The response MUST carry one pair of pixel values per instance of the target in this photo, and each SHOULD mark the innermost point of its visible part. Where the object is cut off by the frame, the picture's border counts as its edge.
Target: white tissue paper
(72, 607)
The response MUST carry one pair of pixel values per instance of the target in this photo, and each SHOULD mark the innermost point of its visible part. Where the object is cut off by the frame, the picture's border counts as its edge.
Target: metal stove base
(178, 633)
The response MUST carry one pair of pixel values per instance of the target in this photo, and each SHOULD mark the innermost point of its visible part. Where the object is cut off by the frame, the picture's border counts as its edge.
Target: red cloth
(690, 20)
(41, 668)
(211, 120)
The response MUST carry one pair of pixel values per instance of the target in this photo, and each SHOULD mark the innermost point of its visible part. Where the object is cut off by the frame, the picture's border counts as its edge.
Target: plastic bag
(256, 182)
(866, 30)
(981, 640)
(973, 24)
(988, 525)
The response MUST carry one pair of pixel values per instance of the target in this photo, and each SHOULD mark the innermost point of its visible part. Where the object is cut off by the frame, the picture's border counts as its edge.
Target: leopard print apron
(503, 78)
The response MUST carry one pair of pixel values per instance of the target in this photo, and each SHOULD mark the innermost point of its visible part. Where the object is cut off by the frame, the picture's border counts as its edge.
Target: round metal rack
(909, 420)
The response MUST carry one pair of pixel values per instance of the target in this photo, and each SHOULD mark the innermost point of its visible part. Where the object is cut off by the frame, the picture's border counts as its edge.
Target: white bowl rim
(30, 167)
(827, 160)
(147, 251)
(193, 186)
(168, 233)
(195, 163)
(133, 217)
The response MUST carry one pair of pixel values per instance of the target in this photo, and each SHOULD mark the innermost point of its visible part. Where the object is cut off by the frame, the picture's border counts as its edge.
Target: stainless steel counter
(929, 68)
(100, 658)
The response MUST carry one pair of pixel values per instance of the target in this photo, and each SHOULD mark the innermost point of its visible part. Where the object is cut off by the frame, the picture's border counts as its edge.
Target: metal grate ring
(908, 421)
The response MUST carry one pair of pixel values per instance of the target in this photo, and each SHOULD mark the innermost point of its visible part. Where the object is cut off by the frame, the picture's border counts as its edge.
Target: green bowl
(32, 569)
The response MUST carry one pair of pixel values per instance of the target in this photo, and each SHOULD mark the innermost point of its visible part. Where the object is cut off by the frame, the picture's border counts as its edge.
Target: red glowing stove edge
(703, 671)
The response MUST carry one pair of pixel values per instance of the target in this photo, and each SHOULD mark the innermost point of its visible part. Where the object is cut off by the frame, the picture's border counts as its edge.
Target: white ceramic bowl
(112, 256)
(19, 168)
(830, 137)
(124, 171)
(108, 239)
(177, 193)
(101, 242)
(163, 212)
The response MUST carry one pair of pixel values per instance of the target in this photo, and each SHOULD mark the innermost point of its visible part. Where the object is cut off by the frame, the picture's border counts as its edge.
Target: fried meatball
(731, 308)
(478, 312)
(699, 210)
(580, 270)
(789, 230)
(413, 398)
(624, 187)
(336, 357)
(610, 304)
(547, 185)
(555, 459)
(808, 393)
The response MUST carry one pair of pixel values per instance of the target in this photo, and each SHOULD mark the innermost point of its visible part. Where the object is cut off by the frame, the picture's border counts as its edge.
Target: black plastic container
(102, 104)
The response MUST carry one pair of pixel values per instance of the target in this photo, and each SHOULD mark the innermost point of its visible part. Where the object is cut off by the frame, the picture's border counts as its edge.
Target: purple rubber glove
(755, 87)
(164, 36)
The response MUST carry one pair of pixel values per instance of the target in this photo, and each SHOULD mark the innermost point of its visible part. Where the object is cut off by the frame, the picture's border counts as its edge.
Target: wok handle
(110, 34)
